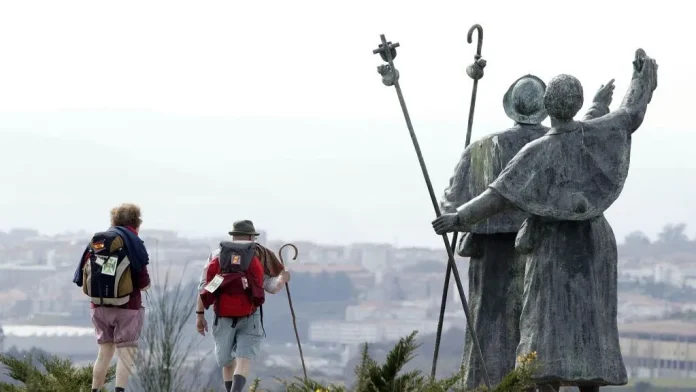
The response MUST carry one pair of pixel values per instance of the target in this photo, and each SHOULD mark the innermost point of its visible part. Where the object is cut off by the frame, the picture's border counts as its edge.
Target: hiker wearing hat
(496, 272)
(235, 279)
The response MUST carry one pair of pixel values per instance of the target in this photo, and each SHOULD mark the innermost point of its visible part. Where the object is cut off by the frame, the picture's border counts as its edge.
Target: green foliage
(60, 375)
(255, 385)
(520, 379)
(389, 377)
(299, 385)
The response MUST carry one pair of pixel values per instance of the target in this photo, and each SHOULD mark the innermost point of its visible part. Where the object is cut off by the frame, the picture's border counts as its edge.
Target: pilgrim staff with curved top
(475, 72)
(390, 77)
(495, 273)
(292, 309)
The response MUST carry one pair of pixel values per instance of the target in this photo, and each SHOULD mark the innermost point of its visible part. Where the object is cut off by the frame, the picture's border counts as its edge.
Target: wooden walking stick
(390, 77)
(475, 71)
(292, 310)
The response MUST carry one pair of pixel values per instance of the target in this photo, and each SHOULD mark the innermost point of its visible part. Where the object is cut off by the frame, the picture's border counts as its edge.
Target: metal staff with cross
(475, 71)
(390, 77)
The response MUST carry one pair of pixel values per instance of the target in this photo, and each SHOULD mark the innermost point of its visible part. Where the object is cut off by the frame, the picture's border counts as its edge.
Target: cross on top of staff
(387, 55)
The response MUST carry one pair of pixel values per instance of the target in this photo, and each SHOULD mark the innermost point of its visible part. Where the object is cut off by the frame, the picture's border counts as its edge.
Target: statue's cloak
(573, 175)
(479, 165)
(565, 180)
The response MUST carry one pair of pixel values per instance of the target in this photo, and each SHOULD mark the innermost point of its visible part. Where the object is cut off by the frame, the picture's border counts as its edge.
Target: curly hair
(564, 97)
(126, 214)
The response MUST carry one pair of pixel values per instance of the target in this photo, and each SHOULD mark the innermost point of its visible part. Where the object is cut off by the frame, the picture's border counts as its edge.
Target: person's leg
(224, 337)
(129, 324)
(228, 374)
(241, 372)
(249, 336)
(102, 320)
(101, 365)
(124, 366)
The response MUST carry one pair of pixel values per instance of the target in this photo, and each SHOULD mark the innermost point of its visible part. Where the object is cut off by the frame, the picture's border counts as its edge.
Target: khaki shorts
(240, 341)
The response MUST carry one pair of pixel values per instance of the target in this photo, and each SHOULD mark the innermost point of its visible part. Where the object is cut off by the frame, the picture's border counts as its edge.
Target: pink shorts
(117, 325)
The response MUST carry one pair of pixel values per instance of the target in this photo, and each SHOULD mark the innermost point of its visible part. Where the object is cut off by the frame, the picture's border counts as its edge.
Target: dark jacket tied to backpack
(135, 249)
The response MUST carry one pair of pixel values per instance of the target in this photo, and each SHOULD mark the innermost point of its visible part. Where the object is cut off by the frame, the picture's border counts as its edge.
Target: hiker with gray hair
(234, 280)
(496, 272)
(112, 271)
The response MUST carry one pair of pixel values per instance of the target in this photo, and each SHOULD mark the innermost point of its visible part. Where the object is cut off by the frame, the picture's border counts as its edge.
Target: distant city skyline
(264, 236)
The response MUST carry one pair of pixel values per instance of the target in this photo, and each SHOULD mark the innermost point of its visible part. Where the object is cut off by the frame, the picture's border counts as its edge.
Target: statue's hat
(524, 100)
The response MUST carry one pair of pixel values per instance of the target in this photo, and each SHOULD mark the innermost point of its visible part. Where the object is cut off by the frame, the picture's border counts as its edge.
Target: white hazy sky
(206, 112)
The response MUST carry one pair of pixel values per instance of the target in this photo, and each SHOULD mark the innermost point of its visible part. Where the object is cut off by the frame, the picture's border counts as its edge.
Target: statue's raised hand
(605, 94)
(645, 68)
(650, 72)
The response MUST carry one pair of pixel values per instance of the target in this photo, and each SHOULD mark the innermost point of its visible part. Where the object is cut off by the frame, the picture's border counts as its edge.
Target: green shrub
(388, 377)
(59, 375)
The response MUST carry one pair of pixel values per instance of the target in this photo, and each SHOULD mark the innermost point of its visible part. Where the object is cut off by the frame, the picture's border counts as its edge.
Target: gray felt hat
(524, 100)
(243, 227)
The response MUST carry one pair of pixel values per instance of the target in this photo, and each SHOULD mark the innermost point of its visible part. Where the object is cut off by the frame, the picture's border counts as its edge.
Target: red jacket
(254, 272)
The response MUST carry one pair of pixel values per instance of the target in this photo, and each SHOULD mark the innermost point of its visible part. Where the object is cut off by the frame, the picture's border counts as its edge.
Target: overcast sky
(210, 111)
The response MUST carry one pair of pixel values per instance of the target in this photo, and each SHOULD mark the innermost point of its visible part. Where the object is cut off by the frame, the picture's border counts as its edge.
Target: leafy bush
(387, 377)
(59, 375)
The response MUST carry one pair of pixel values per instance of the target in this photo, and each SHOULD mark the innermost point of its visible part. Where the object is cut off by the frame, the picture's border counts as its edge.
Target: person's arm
(209, 272)
(640, 91)
(597, 110)
(481, 207)
(199, 306)
(457, 184)
(271, 284)
(204, 274)
(275, 284)
(631, 113)
(144, 278)
(601, 102)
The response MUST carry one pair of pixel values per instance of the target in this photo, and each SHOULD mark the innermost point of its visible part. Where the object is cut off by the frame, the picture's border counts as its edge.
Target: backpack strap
(95, 276)
(262, 328)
